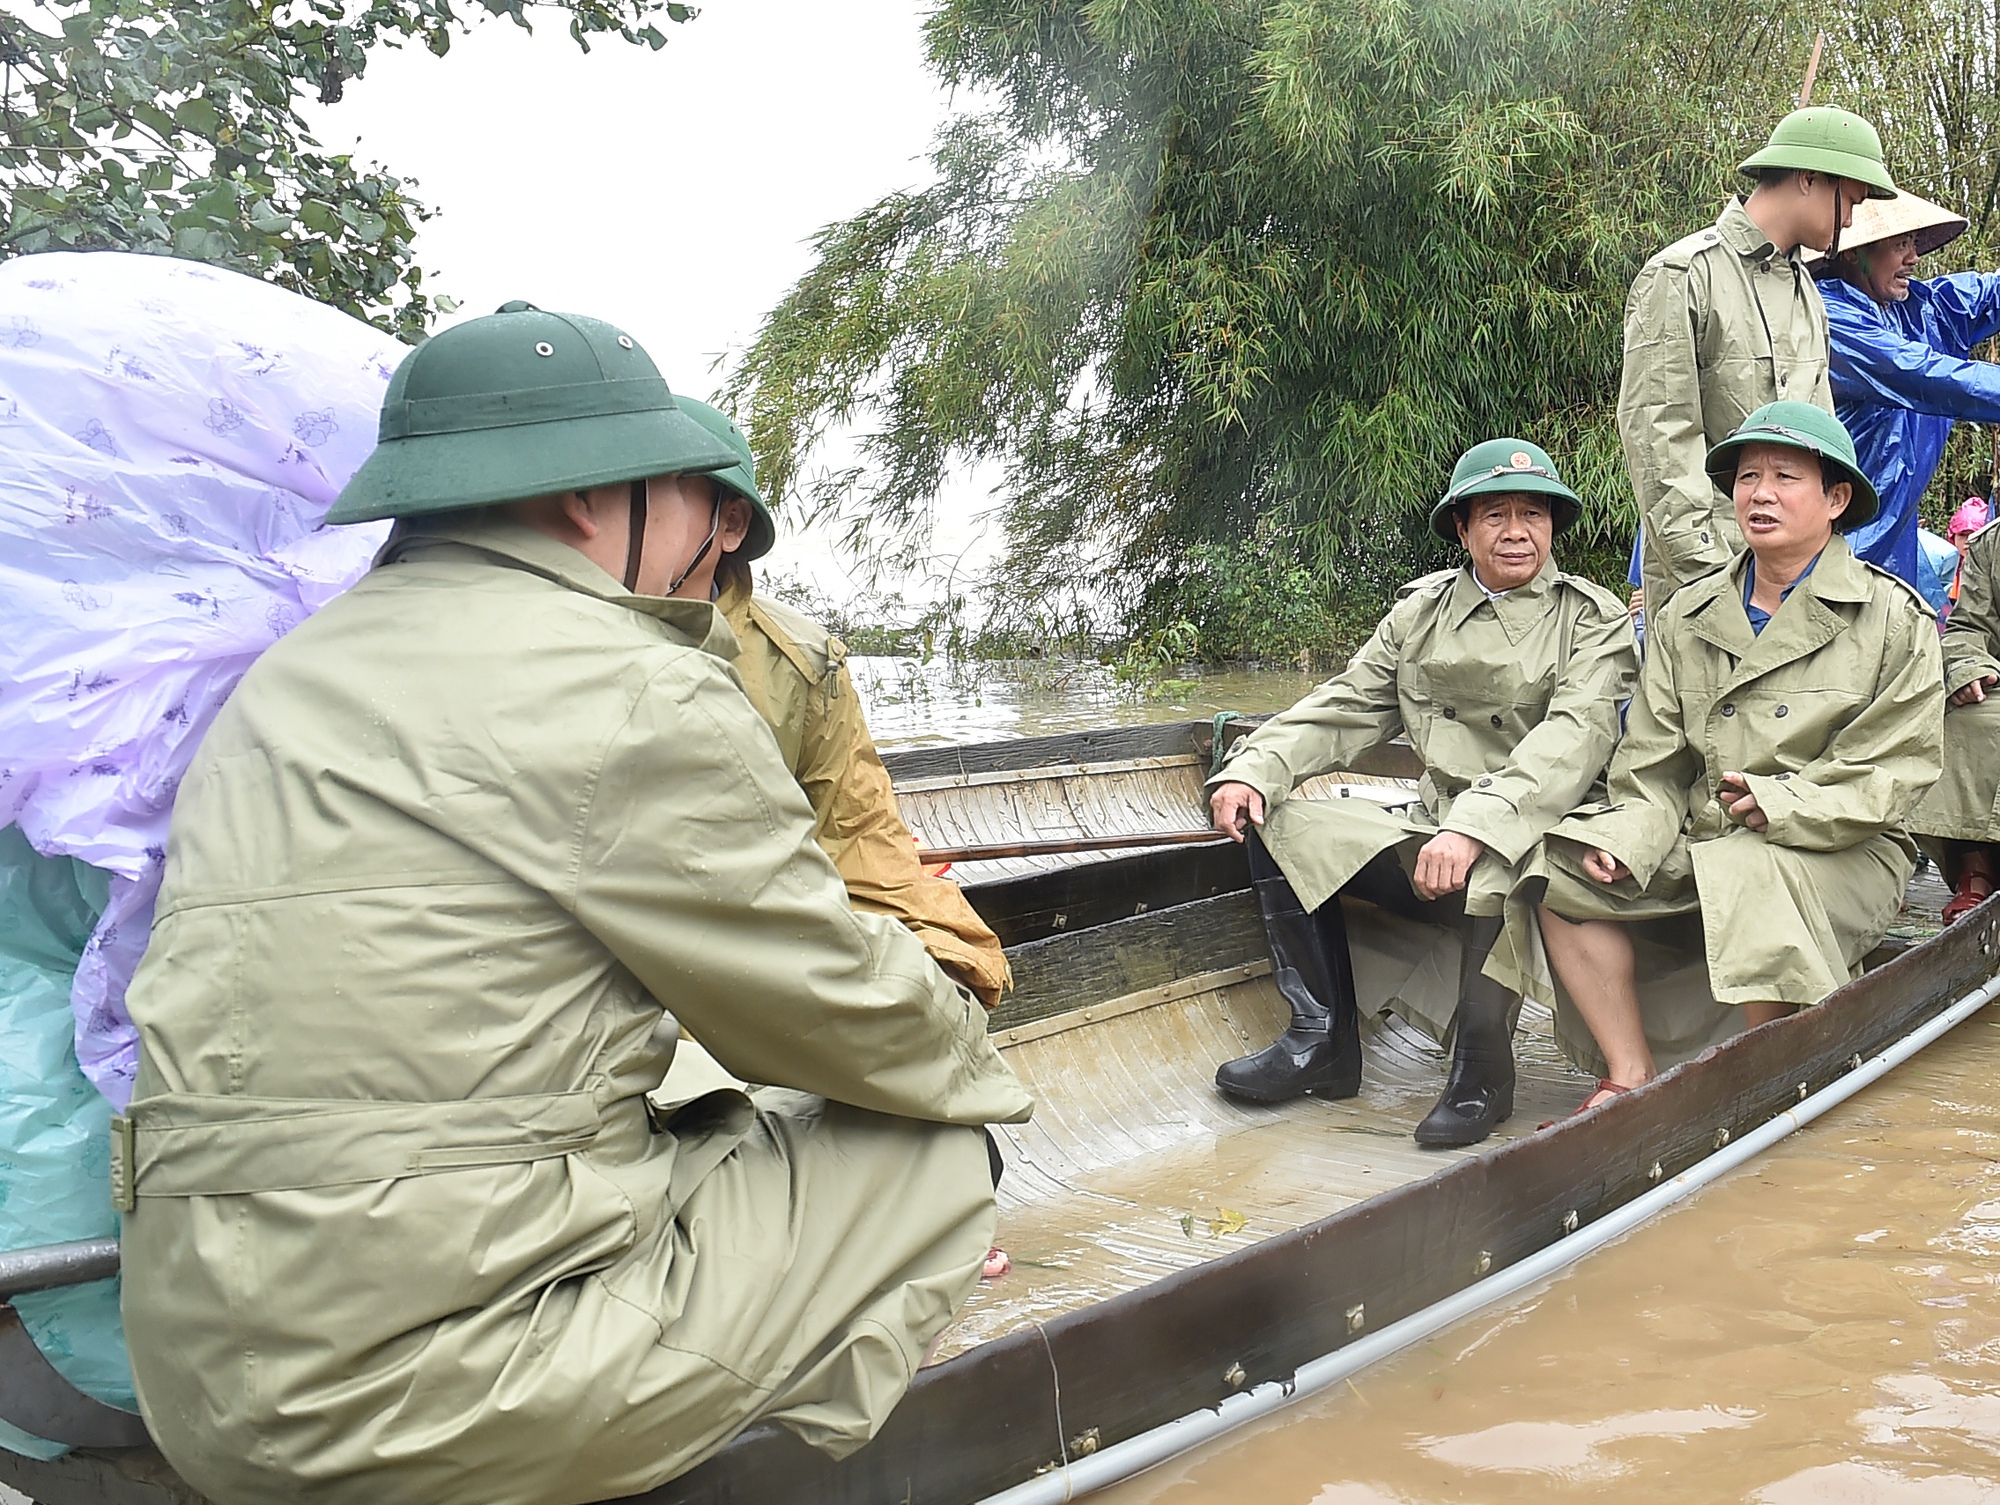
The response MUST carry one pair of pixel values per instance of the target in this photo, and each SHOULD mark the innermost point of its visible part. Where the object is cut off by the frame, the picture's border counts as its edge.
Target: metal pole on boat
(1135, 1454)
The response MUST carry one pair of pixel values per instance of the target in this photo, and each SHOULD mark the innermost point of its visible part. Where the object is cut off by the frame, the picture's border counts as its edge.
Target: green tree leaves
(1217, 281)
(172, 126)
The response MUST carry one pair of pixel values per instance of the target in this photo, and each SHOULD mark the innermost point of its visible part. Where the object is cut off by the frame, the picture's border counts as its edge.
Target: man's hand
(1735, 797)
(1603, 867)
(1636, 606)
(1975, 692)
(1444, 863)
(1235, 808)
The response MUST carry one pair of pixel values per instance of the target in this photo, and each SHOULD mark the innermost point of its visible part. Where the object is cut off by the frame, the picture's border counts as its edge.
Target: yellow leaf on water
(1226, 1220)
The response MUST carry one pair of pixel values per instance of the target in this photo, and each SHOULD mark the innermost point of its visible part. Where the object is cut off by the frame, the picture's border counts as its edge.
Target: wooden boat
(1173, 1249)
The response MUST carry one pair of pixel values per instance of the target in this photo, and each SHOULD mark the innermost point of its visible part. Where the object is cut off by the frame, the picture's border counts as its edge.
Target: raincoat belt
(184, 1144)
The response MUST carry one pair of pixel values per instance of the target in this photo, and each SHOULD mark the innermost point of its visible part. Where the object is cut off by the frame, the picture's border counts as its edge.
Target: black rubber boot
(1320, 1052)
(1479, 1093)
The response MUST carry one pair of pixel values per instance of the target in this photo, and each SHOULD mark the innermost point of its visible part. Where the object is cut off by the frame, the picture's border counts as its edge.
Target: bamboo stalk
(1812, 70)
(1059, 845)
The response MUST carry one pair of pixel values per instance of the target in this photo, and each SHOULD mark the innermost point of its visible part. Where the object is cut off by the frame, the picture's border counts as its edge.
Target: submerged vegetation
(1223, 286)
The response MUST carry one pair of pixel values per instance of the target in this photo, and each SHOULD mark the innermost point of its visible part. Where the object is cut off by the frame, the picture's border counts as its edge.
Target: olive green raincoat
(406, 1232)
(1964, 804)
(1511, 703)
(1716, 325)
(795, 674)
(1833, 713)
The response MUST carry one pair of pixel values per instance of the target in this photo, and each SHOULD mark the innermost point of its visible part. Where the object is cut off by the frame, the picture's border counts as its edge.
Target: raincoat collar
(1518, 610)
(515, 544)
(1741, 234)
(1805, 623)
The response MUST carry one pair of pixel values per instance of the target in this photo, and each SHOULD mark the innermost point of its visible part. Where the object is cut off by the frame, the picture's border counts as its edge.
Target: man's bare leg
(1594, 960)
(1755, 1014)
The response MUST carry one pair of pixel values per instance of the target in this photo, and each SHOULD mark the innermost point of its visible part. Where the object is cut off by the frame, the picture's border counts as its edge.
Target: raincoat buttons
(543, 347)
(1451, 713)
(1496, 720)
(1487, 783)
(1783, 710)
(1729, 709)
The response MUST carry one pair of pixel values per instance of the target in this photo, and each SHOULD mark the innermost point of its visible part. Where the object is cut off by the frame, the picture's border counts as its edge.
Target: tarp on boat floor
(171, 436)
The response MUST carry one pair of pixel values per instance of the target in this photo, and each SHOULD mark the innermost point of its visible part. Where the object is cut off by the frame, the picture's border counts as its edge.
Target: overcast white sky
(672, 192)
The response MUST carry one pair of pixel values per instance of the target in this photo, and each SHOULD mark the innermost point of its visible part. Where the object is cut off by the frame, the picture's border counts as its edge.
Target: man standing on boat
(1505, 674)
(1959, 820)
(1788, 720)
(1902, 366)
(795, 673)
(1726, 320)
(401, 1222)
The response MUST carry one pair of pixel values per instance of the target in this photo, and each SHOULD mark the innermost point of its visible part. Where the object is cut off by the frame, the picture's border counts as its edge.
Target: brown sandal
(1604, 1084)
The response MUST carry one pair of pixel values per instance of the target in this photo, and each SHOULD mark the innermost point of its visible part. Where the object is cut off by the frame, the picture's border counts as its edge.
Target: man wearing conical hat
(1788, 720)
(795, 673)
(402, 1223)
(1902, 372)
(1727, 320)
(1505, 674)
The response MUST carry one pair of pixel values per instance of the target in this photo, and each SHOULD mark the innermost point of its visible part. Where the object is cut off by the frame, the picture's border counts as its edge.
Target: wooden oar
(932, 855)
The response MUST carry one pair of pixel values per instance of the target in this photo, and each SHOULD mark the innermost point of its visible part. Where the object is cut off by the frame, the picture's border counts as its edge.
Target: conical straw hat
(1885, 219)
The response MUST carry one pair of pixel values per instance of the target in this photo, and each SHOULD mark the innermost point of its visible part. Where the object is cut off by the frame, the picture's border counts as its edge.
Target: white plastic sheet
(171, 436)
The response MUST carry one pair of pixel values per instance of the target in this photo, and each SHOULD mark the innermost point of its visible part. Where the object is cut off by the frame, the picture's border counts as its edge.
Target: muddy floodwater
(1820, 1328)
(911, 703)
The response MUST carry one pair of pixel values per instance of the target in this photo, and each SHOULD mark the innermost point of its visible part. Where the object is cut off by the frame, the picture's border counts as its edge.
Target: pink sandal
(1966, 900)
(1604, 1084)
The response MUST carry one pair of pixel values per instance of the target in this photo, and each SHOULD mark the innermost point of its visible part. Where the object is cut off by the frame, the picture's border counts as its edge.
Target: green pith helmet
(740, 478)
(1504, 465)
(518, 404)
(1800, 425)
(1823, 139)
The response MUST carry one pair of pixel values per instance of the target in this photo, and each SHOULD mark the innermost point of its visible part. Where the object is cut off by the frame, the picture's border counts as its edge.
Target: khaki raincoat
(1511, 703)
(1716, 325)
(1964, 804)
(406, 1232)
(795, 674)
(1834, 714)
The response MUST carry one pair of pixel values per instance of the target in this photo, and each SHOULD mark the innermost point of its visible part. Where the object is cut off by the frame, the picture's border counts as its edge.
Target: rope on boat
(1122, 1460)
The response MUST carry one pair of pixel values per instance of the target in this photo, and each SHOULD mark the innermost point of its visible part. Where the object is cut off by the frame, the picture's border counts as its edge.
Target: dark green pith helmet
(518, 404)
(1800, 425)
(1823, 139)
(740, 478)
(1504, 465)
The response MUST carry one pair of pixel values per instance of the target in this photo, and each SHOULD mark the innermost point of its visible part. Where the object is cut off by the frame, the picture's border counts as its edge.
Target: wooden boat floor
(1135, 1166)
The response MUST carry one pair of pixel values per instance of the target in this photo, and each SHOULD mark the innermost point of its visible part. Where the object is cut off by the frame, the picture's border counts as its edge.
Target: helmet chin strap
(635, 537)
(714, 523)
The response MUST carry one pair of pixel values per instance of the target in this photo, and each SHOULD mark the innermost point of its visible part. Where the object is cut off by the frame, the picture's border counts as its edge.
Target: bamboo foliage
(1203, 272)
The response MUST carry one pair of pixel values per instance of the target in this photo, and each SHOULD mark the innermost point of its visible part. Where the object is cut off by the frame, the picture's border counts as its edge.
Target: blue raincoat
(1900, 378)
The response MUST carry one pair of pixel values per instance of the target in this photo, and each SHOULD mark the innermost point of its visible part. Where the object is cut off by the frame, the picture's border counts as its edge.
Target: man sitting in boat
(795, 673)
(401, 1224)
(1959, 821)
(1788, 719)
(1505, 674)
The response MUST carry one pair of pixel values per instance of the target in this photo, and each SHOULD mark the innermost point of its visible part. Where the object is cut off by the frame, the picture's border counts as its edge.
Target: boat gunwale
(1018, 1404)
